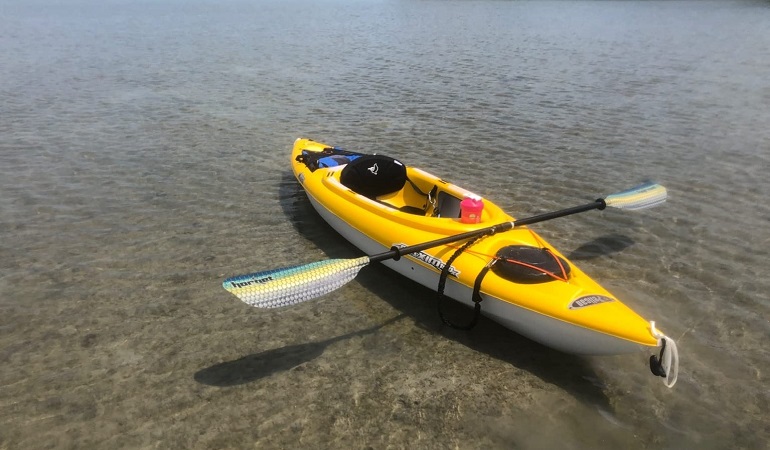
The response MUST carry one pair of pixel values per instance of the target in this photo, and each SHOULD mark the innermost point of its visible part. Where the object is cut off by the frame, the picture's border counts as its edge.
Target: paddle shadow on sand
(260, 365)
(572, 373)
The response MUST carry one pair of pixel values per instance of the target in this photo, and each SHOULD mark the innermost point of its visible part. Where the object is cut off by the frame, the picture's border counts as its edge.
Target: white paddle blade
(292, 285)
(643, 196)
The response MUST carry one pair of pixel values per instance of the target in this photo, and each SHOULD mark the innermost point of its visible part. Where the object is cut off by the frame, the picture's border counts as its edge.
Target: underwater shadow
(601, 246)
(260, 365)
(572, 373)
(305, 219)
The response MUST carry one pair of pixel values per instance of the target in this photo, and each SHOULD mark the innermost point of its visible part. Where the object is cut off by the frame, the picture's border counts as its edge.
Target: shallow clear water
(144, 158)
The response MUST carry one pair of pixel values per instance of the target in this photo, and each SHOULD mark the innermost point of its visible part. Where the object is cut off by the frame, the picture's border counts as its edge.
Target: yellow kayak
(573, 314)
(448, 238)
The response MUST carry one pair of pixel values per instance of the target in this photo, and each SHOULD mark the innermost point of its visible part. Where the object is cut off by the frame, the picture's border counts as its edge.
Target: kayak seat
(412, 210)
(376, 176)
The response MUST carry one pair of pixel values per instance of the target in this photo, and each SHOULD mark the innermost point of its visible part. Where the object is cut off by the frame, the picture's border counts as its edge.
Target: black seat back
(374, 175)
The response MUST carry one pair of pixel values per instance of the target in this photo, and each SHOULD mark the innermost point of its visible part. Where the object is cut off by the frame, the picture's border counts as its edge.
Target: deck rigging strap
(476, 287)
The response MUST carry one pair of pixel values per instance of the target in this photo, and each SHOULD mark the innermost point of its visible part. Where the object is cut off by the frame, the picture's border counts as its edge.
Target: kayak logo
(589, 300)
(431, 260)
(374, 169)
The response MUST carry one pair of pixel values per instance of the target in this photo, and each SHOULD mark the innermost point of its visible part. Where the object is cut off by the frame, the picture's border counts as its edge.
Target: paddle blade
(292, 285)
(643, 196)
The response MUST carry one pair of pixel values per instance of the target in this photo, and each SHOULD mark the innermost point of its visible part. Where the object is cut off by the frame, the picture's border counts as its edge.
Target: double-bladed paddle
(297, 284)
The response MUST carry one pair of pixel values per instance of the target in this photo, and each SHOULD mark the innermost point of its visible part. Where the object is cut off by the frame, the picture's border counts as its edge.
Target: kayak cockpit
(390, 183)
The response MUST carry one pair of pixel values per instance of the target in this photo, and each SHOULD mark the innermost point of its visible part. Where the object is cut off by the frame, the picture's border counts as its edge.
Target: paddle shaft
(296, 284)
(396, 252)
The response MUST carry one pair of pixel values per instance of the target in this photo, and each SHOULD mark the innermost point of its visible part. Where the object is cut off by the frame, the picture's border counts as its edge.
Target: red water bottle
(470, 209)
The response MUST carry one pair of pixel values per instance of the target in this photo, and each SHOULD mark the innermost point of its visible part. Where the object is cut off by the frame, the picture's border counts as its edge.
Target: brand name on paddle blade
(240, 284)
(589, 300)
(431, 260)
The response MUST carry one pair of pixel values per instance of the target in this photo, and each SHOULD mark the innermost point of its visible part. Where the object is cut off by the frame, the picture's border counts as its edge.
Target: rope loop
(665, 365)
(477, 285)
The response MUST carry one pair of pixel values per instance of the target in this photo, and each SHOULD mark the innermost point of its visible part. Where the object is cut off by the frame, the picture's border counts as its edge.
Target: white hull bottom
(548, 331)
